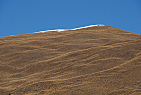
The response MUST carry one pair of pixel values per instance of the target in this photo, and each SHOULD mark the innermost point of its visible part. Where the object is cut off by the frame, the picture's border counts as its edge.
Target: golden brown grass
(100, 60)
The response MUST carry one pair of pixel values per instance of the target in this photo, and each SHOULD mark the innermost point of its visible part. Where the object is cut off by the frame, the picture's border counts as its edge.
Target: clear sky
(28, 16)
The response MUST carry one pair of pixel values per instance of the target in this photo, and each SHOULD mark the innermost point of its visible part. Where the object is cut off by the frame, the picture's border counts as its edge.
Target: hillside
(97, 60)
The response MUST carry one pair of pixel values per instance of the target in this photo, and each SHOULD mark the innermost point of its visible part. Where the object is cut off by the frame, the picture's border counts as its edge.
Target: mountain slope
(94, 60)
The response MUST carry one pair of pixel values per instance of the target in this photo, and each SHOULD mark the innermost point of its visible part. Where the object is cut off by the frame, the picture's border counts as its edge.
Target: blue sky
(28, 16)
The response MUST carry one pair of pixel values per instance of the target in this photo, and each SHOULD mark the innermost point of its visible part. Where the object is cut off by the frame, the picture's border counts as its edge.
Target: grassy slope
(96, 60)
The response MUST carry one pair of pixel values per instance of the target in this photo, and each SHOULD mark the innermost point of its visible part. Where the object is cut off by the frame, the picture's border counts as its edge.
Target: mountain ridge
(100, 60)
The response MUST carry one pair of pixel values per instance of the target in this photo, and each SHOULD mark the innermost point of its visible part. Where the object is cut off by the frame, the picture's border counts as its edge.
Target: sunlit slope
(99, 60)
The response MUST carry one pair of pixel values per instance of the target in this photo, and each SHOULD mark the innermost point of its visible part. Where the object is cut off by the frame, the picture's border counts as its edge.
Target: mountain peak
(90, 60)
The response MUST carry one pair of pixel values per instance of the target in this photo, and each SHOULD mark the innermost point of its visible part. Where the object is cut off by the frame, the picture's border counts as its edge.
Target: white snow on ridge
(57, 30)
(60, 30)
(87, 26)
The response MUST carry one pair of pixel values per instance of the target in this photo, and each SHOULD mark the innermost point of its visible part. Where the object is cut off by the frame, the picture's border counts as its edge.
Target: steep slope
(97, 60)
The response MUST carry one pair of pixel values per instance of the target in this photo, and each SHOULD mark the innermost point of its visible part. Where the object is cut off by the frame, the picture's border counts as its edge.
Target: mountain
(94, 60)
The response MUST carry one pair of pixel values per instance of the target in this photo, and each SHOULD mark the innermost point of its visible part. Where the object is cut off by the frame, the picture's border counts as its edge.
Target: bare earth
(99, 60)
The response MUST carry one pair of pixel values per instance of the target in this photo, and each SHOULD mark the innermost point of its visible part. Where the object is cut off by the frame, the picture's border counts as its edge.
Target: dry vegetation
(100, 60)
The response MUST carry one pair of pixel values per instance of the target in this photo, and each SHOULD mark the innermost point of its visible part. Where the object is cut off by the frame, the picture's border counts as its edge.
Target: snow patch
(57, 30)
(87, 26)
(60, 30)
